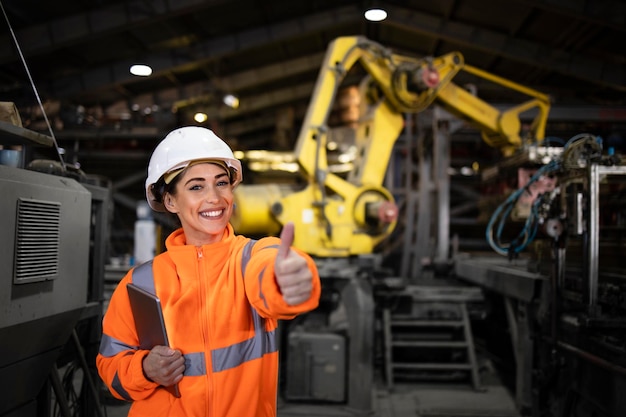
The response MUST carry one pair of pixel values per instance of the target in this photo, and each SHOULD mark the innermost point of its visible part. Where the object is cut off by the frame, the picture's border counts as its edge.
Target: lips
(212, 213)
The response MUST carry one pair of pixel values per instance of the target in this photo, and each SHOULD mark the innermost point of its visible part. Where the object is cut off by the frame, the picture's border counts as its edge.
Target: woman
(221, 293)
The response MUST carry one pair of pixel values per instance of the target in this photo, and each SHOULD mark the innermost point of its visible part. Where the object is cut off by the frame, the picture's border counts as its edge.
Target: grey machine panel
(44, 269)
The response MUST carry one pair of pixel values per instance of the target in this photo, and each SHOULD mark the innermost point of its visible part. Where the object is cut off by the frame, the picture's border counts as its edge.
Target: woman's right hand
(164, 365)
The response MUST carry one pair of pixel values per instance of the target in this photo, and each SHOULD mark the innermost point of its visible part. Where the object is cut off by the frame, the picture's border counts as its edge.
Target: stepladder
(429, 338)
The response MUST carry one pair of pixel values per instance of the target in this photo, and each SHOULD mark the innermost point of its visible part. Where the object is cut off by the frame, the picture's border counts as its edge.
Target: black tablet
(149, 321)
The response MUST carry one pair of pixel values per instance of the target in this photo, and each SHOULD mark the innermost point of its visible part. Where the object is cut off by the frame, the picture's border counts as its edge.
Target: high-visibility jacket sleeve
(262, 289)
(119, 361)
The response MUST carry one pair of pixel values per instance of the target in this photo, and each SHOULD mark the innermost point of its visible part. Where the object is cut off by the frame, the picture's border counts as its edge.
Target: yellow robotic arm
(499, 128)
(339, 215)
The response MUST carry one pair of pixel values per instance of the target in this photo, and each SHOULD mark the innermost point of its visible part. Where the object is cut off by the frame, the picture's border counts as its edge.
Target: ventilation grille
(37, 245)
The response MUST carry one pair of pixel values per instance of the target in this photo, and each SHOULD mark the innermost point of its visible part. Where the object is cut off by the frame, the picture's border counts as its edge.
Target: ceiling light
(140, 70)
(231, 101)
(375, 15)
(200, 117)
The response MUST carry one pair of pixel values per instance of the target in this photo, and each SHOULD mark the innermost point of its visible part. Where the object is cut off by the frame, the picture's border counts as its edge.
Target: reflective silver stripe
(143, 277)
(110, 346)
(245, 257)
(261, 295)
(260, 277)
(232, 356)
(117, 386)
(194, 364)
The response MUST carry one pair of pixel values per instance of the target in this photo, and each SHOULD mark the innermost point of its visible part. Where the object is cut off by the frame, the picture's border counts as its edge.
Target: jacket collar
(184, 255)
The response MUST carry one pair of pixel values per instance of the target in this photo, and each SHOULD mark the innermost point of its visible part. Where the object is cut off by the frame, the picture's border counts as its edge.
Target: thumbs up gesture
(292, 272)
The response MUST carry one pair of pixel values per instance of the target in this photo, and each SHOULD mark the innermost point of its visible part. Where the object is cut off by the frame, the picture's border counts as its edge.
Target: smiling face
(203, 201)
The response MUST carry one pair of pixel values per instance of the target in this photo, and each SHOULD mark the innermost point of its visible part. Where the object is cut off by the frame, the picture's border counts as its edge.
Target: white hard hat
(180, 148)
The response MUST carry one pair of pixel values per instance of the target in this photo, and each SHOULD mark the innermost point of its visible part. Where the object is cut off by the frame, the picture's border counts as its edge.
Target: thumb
(286, 239)
(163, 350)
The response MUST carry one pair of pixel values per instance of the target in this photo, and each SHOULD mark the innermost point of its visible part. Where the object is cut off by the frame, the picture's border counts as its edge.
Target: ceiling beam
(259, 102)
(608, 13)
(589, 69)
(59, 33)
(215, 48)
(585, 68)
(197, 92)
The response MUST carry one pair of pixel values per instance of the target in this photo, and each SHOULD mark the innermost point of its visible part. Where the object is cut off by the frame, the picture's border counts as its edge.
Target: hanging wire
(30, 78)
(502, 214)
(583, 145)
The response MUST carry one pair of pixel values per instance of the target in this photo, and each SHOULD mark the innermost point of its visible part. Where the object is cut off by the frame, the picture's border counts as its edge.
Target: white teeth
(214, 213)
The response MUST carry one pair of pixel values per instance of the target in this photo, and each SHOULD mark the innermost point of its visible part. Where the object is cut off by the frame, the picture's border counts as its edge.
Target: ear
(170, 203)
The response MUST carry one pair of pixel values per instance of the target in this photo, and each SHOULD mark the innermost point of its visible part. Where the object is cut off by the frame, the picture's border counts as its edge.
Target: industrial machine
(55, 229)
(584, 338)
(338, 194)
(564, 300)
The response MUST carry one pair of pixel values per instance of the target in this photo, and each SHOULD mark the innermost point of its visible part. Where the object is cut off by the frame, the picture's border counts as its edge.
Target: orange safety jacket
(221, 306)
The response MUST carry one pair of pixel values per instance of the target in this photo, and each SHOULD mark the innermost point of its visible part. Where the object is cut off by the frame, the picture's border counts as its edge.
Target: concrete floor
(451, 400)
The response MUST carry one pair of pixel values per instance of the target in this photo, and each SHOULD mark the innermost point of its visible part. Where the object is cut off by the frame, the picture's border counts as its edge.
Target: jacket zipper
(205, 326)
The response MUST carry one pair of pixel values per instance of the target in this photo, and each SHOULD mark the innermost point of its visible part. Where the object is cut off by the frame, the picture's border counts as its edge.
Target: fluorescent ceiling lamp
(375, 15)
(200, 117)
(140, 70)
(231, 101)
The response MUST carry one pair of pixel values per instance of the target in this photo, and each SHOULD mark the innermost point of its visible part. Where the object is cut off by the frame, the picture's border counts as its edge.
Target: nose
(212, 194)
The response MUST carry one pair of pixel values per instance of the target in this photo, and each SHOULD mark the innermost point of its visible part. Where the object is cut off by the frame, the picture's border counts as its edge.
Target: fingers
(286, 240)
(294, 301)
(298, 292)
(294, 279)
(164, 366)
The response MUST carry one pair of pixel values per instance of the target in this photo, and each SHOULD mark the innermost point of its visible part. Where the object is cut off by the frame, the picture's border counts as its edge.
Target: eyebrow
(218, 176)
